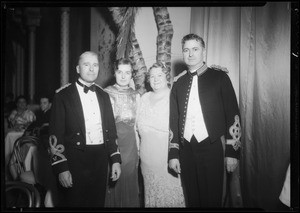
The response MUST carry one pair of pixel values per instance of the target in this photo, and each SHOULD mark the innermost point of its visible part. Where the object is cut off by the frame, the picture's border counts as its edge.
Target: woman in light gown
(124, 99)
(162, 189)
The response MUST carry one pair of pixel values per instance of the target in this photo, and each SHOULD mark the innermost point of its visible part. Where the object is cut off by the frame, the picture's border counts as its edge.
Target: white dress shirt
(92, 117)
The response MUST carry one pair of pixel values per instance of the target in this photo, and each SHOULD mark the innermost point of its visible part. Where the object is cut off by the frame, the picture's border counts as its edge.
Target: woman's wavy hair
(164, 70)
(122, 61)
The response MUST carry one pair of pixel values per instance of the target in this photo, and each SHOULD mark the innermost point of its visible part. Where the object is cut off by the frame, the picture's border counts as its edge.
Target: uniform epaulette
(65, 86)
(179, 75)
(99, 86)
(219, 68)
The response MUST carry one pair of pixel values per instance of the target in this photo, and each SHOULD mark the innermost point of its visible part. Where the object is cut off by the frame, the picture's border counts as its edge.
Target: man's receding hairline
(87, 53)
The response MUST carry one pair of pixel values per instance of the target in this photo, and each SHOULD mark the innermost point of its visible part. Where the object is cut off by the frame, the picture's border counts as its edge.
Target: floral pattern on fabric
(162, 189)
(123, 103)
(170, 195)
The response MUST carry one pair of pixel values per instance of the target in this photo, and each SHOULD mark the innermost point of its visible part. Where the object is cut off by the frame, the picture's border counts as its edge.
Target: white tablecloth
(10, 140)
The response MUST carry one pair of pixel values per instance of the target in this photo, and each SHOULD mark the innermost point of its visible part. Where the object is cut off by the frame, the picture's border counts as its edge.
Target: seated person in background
(18, 120)
(42, 117)
(42, 171)
(21, 117)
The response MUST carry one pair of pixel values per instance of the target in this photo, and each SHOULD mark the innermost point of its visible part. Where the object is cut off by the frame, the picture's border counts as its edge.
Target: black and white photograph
(150, 106)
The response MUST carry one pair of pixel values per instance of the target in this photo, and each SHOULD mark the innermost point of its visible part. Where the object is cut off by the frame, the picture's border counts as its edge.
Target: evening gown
(161, 188)
(125, 191)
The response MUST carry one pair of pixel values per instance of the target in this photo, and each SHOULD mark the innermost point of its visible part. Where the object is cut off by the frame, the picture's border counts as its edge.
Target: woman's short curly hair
(163, 68)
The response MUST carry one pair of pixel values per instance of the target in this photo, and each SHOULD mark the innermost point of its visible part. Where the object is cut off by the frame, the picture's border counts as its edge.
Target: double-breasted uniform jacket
(219, 107)
(67, 126)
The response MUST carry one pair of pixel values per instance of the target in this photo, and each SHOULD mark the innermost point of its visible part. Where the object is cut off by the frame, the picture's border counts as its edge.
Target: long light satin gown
(162, 189)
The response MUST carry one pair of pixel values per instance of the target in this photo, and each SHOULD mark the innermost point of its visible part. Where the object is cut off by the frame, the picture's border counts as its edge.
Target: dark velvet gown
(125, 191)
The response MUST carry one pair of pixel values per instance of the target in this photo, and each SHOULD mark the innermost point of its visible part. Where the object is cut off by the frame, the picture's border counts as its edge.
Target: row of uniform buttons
(193, 119)
(107, 138)
(78, 133)
(185, 106)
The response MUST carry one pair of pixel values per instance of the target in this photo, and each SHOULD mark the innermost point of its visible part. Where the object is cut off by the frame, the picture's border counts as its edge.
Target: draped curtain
(253, 43)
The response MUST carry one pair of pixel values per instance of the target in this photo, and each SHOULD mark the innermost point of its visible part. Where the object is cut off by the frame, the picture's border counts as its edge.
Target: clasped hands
(231, 164)
(65, 178)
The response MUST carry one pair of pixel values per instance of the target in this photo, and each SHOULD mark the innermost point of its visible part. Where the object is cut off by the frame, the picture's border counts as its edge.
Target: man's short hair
(192, 36)
(48, 96)
(21, 97)
(87, 53)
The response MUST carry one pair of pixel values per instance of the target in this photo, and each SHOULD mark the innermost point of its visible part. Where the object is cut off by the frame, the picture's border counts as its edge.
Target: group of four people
(184, 136)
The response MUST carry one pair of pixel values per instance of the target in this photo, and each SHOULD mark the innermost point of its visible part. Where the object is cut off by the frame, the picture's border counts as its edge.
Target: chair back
(20, 194)
(20, 151)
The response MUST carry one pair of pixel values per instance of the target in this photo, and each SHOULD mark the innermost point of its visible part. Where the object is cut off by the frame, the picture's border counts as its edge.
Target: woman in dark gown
(124, 99)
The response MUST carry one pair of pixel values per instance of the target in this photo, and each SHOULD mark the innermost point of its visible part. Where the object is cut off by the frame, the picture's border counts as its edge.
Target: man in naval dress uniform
(83, 138)
(204, 127)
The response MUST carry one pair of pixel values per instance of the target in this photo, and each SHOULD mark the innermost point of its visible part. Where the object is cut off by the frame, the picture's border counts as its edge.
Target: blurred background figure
(21, 117)
(18, 120)
(41, 124)
(43, 116)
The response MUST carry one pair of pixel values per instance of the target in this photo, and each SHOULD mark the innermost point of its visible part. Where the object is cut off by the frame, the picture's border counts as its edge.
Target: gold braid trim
(56, 150)
(61, 88)
(179, 75)
(235, 132)
(115, 153)
(174, 145)
(170, 135)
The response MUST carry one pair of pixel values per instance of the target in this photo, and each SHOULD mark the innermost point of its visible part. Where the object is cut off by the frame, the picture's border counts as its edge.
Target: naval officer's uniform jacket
(67, 126)
(219, 106)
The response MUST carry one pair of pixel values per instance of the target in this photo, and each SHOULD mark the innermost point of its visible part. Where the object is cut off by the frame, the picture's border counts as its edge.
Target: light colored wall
(146, 32)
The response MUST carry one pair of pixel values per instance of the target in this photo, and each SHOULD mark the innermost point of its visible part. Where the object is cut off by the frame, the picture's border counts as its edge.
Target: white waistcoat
(194, 124)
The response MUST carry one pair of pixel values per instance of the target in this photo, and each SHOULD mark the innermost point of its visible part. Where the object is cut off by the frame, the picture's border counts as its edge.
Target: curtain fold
(219, 27)
(253, 43)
